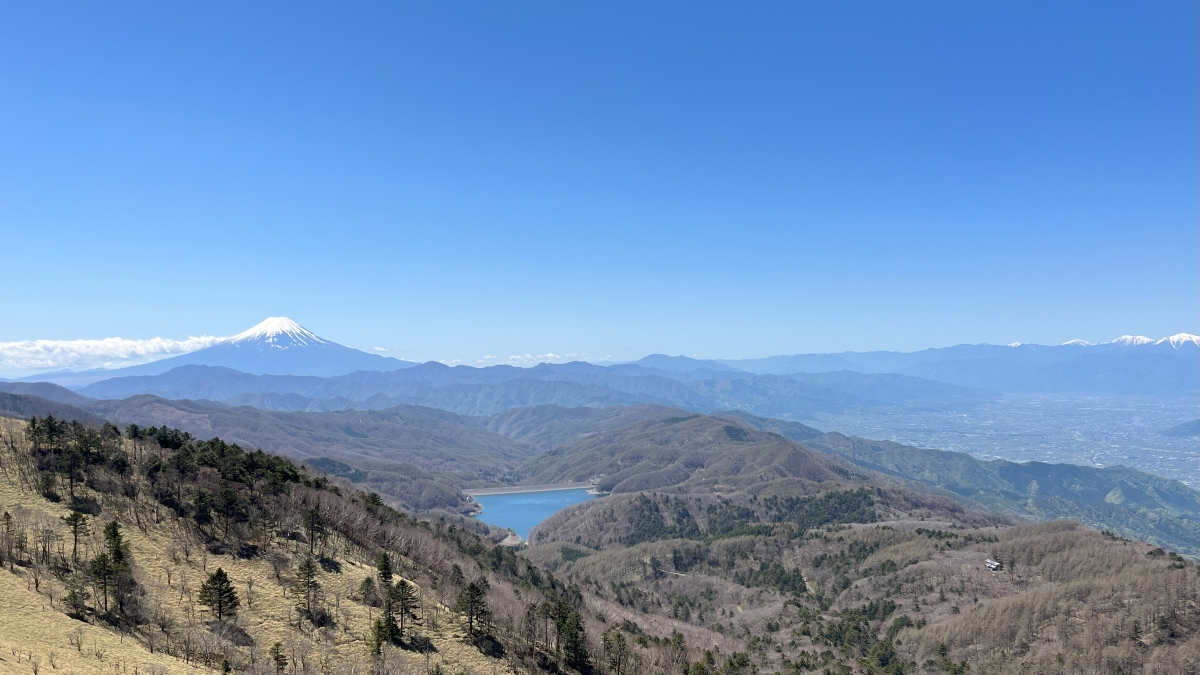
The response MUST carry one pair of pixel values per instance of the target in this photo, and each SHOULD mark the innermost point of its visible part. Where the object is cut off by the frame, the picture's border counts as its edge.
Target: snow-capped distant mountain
(1132, 364)
(276, 346)
(279, 332)
(1131, 341)
(1175, 341)
(1180, 339)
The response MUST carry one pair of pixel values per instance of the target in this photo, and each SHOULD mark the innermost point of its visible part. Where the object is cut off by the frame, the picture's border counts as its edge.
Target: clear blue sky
(725, 180)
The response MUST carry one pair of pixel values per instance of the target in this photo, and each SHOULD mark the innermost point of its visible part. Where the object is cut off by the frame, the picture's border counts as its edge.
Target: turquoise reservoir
(522, 510)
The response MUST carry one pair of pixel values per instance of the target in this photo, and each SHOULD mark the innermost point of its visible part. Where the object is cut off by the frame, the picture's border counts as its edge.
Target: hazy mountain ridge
(1184, 430)
(1129, 364)
(1129, 502)
(488, 391)
(46, 390)
(24, 406)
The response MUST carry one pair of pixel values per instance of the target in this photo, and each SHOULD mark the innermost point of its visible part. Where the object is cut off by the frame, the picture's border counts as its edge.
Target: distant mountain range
(1127, 365)
(280, 365)
(487, 391)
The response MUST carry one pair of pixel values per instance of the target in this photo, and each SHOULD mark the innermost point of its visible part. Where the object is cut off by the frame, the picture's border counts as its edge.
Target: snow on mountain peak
(1132, 341)
(280, 332)
(1179, 339)
(1081, 343)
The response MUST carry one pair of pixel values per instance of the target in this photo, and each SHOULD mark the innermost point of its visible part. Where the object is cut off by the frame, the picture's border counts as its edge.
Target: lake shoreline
(518, 489)
(519, 509)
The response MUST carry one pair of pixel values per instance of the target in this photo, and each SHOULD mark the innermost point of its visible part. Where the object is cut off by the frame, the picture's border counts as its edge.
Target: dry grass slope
(37, 635)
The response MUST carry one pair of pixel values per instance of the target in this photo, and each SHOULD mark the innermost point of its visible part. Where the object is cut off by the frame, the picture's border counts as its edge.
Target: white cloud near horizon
(115, 352)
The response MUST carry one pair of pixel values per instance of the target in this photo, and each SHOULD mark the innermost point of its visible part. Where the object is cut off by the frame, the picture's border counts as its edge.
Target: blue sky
(454, 180)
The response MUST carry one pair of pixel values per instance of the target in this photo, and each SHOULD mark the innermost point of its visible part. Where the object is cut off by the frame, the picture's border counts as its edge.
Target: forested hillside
(144, 550)
(848, 582)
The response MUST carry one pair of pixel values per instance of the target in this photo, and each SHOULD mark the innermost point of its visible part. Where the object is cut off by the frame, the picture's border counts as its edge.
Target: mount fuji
(276, 346)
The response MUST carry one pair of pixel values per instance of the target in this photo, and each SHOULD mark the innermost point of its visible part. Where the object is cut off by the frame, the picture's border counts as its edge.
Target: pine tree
(101, 572)
(616, 651)
(118, 550)
(278, 656)
(306, 586)
(404, 600)
(379, 636)
(219, 595)
(384, 565)
(230, 507)
(78, 524)
(121, 585)
(387, 629)
(472, 603)
(568, 625)
(314, 523)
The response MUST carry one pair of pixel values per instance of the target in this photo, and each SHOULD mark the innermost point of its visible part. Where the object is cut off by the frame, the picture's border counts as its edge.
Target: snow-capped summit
(279, 332)
(275, 346)
(1077, 342)
(1179, 339)
(1175, 341)
(1132, 341)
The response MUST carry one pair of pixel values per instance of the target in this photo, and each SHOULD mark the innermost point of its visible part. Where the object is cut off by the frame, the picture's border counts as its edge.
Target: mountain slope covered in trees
(144, 549)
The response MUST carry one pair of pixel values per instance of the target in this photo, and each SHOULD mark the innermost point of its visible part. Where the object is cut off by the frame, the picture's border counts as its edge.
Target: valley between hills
(310, 517)
(728, 543)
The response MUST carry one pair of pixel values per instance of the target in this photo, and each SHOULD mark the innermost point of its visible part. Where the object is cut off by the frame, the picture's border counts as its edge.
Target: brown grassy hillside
(165, 625)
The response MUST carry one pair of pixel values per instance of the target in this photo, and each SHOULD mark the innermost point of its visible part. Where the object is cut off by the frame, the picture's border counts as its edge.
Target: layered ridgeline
(487, 391)
(776, 386)
(810, 564)
(745, 552)
(422, 458)
(728, 453)
(1130, 364)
